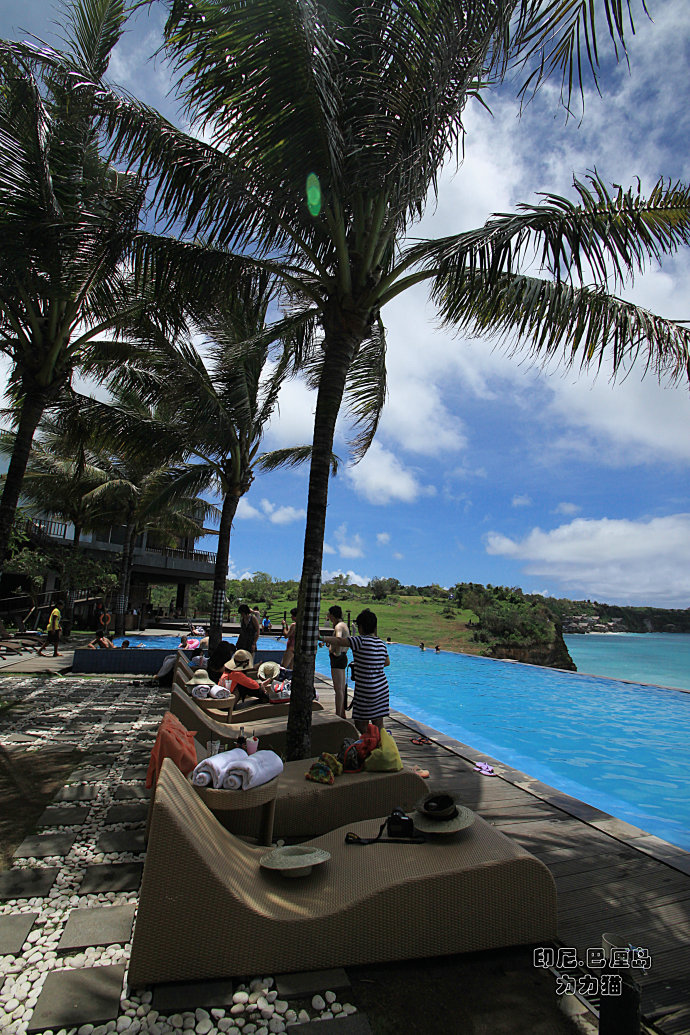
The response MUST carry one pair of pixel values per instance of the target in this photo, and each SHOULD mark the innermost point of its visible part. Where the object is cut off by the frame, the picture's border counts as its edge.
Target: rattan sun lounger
(207, 909)
(328, 731)
(245, 714)
(305, 809)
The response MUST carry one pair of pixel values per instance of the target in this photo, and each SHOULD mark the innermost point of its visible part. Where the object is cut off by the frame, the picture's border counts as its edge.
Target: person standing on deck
(338, 657)
(249, 629)
(52, 631)
(291, 633)
(370, 659)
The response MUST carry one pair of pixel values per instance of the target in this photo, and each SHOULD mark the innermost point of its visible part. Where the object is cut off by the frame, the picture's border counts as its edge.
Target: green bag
(386, 757)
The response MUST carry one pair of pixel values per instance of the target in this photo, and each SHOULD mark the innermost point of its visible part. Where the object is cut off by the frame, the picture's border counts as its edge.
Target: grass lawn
(406, 619)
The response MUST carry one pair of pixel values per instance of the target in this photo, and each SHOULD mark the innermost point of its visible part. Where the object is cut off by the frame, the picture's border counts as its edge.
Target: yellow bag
(386, 757)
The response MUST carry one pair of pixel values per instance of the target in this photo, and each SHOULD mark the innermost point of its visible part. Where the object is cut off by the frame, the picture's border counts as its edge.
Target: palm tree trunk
(33, 405)
(340, 345)
(126, 563)
(220, 573)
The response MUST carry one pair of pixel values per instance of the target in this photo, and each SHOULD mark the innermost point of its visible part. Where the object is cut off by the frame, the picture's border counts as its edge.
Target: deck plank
(604, 882)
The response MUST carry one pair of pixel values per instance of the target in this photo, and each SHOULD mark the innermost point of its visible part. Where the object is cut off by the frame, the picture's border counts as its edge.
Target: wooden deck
(610, 876)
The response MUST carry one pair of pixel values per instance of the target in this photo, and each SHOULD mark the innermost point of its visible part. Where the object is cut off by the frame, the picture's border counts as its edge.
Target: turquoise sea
(659, 658)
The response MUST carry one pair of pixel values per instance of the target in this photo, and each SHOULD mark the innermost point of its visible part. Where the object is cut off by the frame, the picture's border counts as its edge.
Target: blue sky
(486, 468)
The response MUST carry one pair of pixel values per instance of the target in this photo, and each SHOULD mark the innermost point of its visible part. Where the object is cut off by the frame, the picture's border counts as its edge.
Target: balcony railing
(185, 555)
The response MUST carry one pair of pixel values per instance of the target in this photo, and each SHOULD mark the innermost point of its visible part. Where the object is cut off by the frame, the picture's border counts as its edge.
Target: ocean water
(619, 746)
(659, 658)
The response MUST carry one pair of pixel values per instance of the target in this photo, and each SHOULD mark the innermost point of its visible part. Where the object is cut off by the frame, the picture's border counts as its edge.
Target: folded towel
(200, 692)
(220, 693)
(252, 771)
(212, 770)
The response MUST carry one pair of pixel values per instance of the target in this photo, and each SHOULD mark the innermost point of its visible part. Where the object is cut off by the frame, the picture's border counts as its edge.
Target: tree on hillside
(330, 122)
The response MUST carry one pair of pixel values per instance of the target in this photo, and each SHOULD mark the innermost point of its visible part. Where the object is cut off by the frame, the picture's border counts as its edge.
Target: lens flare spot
(313, 194)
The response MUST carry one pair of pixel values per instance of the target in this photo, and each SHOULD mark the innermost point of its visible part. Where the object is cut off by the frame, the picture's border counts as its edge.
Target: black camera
(399, 824)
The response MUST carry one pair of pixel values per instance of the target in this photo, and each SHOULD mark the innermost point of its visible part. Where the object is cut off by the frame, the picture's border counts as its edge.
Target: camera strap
(354, 839)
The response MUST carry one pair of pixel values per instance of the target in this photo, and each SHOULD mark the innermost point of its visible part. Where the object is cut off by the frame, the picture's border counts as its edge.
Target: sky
(487, 468)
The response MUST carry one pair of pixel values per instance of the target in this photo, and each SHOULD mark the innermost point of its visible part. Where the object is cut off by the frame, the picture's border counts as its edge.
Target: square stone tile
(353, 1024)
(78, 792)
(309, 982)
(126, 813)
(26, 883)
(41, 845)
(171, 997)
(74, 997)
(13, 932)
(132, 790)
(121, 841)
(66, 816)
(111, 877)
(90, 773)
(108, 925)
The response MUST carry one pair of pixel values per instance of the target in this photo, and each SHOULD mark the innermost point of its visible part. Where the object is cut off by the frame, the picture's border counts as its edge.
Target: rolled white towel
(213, 769)
(252, 770)
(219, 692)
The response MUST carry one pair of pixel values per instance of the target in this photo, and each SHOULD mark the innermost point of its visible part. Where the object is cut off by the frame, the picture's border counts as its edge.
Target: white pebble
(204, 1027)
(217, 1012)
(189, 1022)
(176, 1020)
(240, 997)
(348, 1008)
(123, 1023)
(327, 1015)
(276, 1024)
(330, 997)
(290, 1015)
(236, 1009)
(202, 1015)
(303, 1016)
(86, 1029)
(281, 1005)
(318, 1003)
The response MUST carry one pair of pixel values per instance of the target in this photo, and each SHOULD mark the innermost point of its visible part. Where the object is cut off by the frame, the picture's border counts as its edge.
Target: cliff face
(553, 654)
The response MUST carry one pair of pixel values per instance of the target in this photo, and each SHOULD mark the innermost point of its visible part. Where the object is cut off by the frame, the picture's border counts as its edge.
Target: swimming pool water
(622, 747)
(172, 642)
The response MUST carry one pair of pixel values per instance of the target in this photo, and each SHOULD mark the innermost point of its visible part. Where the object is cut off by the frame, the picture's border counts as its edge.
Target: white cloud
(287, 515)
(642, 561)
(327, 548)
(521, 501)
(383, 538)
(568, 509)
(382, 478)
(348, 544)
(399, 556)
(245, 511)
(355, 579)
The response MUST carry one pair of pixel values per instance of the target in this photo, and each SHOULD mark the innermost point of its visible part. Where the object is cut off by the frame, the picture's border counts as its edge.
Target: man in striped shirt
(370, 659)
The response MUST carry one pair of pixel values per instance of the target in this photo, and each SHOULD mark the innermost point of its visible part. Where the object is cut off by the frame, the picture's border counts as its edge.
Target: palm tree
(57, 483)
(221, 397)
(329, 122)
(68, 226)
(141, 489)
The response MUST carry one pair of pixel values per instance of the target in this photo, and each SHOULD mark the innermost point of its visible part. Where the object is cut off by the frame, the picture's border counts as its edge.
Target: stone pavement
(67, 905)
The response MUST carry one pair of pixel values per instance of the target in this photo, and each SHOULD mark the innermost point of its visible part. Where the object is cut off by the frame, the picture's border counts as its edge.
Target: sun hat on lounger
(440, 814)
(268, 670)
(200, 678)
(294, 860)
(240, 659)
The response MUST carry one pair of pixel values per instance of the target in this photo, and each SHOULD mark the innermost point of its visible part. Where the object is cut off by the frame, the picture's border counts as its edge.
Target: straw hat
(441, 814)
(200, 678)
(269, 670)
(240, 659)
(294, 860)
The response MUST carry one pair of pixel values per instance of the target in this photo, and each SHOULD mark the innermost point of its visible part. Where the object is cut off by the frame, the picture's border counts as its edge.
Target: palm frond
(92, 28)
(294, 456)
(366, 389)
(584, 326)
(605, 235)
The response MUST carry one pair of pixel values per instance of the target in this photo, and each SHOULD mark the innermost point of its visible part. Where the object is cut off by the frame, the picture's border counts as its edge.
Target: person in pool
(370, 660)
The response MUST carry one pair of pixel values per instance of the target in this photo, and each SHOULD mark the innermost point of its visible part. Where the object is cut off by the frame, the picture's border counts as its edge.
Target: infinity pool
(172, 642)
(621, 747)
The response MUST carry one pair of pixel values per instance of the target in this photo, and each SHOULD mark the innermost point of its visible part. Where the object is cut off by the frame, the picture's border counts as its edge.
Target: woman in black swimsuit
(249, 629)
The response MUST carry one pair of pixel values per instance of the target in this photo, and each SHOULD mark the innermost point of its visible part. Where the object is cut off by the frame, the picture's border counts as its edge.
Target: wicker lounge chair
(215, 913)
(244, 715)
(327, 730)
(305, 809)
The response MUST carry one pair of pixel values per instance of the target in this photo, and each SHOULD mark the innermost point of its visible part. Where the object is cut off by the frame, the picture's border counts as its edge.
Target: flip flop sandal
(424, 773)
(421, 740)
(484, 768)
